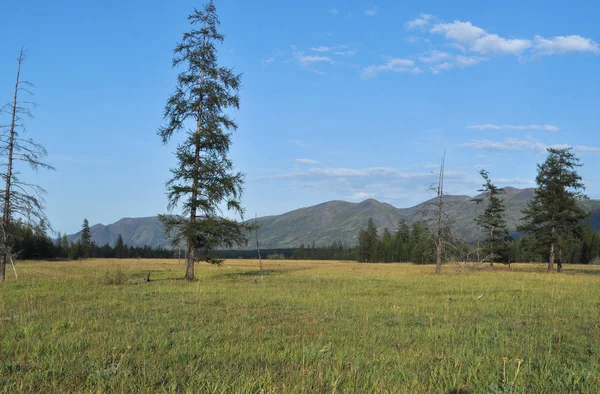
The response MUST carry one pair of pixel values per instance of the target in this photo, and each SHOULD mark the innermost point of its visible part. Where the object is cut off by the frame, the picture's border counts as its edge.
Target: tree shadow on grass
(257, 273)
(582, 271)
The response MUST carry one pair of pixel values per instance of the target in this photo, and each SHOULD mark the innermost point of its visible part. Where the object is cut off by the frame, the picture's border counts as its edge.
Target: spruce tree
(554, 212)
(85, 241)
(492, 220)
(204, 179)
(64, 242)
(368, 241)
(120, 247)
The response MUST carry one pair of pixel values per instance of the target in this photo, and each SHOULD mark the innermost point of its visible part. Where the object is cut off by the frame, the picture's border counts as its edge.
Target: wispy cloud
(383, 183)
(395, 65)
(435, 57)
(321, 49)
(454, 61)
(564, 44)
(371, 11)
(333, 11)
(339, 50)
(514, 144)
(474, 38)
(545, 127)
(306, 161)
(422, 21)
(267, 60)
(475, 45)
(308, 60)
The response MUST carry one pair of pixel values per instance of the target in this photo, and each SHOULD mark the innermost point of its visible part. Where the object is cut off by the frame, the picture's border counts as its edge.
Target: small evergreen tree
(120, 247)
(492, 220)
(85, 241)
(64, 242)
(554, 211)
(368, 241)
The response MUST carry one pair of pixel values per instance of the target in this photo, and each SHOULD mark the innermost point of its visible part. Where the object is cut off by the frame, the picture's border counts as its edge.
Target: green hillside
(336, 221)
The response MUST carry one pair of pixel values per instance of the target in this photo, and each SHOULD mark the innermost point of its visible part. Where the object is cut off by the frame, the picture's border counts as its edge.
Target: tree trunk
(438, 258)
(190, 262)
(191, 259)
(2, 267)
(5, 246)
(551, 260)
(440, 233)
(559, 262)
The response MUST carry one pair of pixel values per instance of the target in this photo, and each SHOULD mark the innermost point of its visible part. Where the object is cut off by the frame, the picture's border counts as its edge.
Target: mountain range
(336, 221)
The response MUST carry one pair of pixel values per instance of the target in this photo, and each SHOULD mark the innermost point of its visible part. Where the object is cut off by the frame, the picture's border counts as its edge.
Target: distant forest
(408, 244)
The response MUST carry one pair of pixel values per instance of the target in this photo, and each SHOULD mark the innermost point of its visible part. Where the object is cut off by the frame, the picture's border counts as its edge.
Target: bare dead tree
(22, 201)
(434, 213)
(439, 243)
(256, 226)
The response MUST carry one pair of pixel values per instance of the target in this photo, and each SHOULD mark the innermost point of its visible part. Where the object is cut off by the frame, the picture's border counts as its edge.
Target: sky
(340, 100)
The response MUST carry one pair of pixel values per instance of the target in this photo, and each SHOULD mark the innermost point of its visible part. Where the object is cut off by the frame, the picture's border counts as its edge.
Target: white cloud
(464, 61)
(339, 50)
(359, 196)
(307, 60)
(435, 57)
(586, 149)
(383, 183)
(320, 49)
(564, 44)
(395, 65)
(349, 52)
(422, 21)
(333, 11)
(445, 61)
(371, 11)
(514, 144)
(267, 60)
(469, 37)
(546, 127)
(478, 40)
(462, 32)
(306, 161)
(492, 43)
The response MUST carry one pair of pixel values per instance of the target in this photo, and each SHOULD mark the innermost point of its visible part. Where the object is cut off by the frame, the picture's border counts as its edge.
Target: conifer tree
(368, 241)
(492, 220)
(120, 247)
(204, 179)
(85, 240)
(554, 212)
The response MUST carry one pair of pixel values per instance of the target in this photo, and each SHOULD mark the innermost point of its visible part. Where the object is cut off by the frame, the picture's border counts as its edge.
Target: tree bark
(551, 260)
(559, 262)
(2, 267)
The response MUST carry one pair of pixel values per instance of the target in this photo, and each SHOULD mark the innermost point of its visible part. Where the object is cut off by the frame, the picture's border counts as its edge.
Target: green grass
(308, 327)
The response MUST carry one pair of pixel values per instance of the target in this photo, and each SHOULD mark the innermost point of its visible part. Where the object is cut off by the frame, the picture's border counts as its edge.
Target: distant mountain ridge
(334, 221)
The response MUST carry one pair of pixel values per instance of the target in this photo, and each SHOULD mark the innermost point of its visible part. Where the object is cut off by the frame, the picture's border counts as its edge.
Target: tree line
(34, 243)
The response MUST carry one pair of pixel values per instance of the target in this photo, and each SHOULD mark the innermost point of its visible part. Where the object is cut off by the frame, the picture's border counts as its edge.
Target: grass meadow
(308, 327)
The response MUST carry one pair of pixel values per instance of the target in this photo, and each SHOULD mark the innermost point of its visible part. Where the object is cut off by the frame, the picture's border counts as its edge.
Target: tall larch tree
(204, 179)
(492, 221)
(554, 212)
(21, 200)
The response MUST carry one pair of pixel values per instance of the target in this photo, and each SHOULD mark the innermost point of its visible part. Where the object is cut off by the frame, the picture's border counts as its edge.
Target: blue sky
(340, 99)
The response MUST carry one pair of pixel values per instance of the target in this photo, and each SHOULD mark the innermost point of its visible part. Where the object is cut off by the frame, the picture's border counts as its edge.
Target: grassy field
(308, 327)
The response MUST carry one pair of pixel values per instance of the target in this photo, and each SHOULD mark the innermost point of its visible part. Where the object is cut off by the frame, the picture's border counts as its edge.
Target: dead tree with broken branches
(21, 200)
